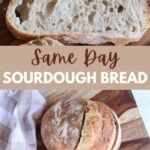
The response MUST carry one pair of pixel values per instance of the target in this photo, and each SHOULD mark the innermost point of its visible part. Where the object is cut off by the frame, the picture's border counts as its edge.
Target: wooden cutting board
(134, 136)
(122, 102)
(6, 37)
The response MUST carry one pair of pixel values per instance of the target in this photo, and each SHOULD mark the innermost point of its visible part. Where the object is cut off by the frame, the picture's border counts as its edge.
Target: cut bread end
(82, 21)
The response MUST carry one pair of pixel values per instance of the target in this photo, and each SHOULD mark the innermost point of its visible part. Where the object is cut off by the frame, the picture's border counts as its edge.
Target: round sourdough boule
(80, 125)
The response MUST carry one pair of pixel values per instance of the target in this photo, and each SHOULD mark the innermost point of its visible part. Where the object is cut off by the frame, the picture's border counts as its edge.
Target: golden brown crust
(99, 128)
(117, 142)
(80, 125)
(45, 41)
(61, 125)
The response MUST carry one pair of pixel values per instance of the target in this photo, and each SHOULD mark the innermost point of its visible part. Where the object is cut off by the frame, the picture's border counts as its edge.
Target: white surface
(142, 98)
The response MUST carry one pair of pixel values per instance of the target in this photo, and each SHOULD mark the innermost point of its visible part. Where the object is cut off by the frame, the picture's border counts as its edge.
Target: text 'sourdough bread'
(80, 125)
(79, 21)
(45, 41)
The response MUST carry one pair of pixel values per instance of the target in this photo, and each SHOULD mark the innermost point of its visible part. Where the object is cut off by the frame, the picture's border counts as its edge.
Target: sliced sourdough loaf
(45, 41)
(79, 21)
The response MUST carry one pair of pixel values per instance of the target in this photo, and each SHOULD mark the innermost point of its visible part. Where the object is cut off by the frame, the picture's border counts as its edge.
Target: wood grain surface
(55, 95)
(133, 129)
(130, 132)
(119, 101)
(134, 135)
(7, 39)
(139, 144)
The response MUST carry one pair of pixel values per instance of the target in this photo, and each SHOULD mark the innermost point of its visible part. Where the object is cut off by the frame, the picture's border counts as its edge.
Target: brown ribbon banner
(77, 67)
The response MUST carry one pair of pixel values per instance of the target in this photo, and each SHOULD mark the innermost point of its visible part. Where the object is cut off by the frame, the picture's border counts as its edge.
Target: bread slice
(45, 41)
(79, 21)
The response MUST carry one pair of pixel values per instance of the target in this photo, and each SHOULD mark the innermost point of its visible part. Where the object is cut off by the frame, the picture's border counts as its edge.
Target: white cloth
(19, 109)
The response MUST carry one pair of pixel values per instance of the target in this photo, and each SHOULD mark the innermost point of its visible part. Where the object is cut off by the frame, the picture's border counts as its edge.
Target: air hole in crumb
(134, 29)
(108, 28)
(61, 20)
(91, 17)
(22, 11)
(94, 7)
(40, 14)
(87, 2)
(111, 9)
(141, 23)
(53, 24)
(69, 26)
(50, 7)
(75, 19)
(80, 7)
(81, 14)
(120, 9)
(18, 15)
(104, 2)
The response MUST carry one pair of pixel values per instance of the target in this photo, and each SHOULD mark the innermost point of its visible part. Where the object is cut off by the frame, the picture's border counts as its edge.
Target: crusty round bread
(45, 41)
(80, 125)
